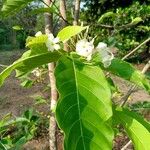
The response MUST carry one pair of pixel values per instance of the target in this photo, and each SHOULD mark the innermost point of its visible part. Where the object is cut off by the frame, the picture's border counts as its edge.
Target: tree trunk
(54, 96)
(48, 19)
(62, 21)
(76, 12)
(63, 13)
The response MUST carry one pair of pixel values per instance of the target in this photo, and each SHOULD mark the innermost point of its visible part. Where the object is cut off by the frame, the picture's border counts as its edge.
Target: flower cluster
(52, 43)
(105, 54)
(86, 49)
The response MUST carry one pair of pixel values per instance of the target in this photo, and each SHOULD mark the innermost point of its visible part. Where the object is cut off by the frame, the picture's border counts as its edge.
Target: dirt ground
(15, 99)
(138, 96)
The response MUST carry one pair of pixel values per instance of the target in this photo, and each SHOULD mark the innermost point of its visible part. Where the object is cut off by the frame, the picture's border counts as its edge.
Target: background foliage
(121, 33)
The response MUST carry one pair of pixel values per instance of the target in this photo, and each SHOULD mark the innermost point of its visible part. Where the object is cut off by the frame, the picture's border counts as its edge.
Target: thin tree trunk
(48, 19)
(63, 13)
(63, 22)
(54, 96)
(76, 12)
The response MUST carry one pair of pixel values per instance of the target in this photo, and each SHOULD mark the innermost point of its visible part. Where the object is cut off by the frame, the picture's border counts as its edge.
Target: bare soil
(138, 95)
(14, 98)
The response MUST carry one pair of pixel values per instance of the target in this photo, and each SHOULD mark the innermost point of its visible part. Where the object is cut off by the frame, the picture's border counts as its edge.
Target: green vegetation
(15, 132)
(80, 60)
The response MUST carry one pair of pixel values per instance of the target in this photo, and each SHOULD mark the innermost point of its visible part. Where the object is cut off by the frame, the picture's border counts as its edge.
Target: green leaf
(106, 15)
(136, 20)
(27, 83)
(144, 28)
(27, 64)
(69, 31)
(11, 6)
(43, 10)
(128, 72)
(7, 142)
(2, 146)
(84, 109)
(28, 113)
(39, 99)
(137, 129)
(37, 44)
(32, 41)
(112, 85)
(141, 105)
(20, 143)
(18, 28)
(15, 121)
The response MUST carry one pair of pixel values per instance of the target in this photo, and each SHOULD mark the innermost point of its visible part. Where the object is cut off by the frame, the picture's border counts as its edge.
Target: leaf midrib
(78, 101)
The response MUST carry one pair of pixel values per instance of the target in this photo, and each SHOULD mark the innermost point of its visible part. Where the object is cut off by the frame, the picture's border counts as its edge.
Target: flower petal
(101, 45)
(107, 63)
(56, 40)
(56, 46)
(89, 58)
(39, 33)
(84, 48)
(50, 37)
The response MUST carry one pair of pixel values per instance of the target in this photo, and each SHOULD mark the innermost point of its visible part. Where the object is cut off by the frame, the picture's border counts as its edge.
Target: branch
(130, 53)
(55, 11)
(124, 147)
(127, 95)
(130, 25)
(4, 66)
(122, 27)
(147, 66)
(104, 26)
(134, 87)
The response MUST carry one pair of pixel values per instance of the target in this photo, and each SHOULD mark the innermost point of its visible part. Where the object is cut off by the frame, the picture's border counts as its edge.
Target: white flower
(39, 33)
(36, 72)
(85, 48)
(102, 45)
(52, 43)
(105, 54)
